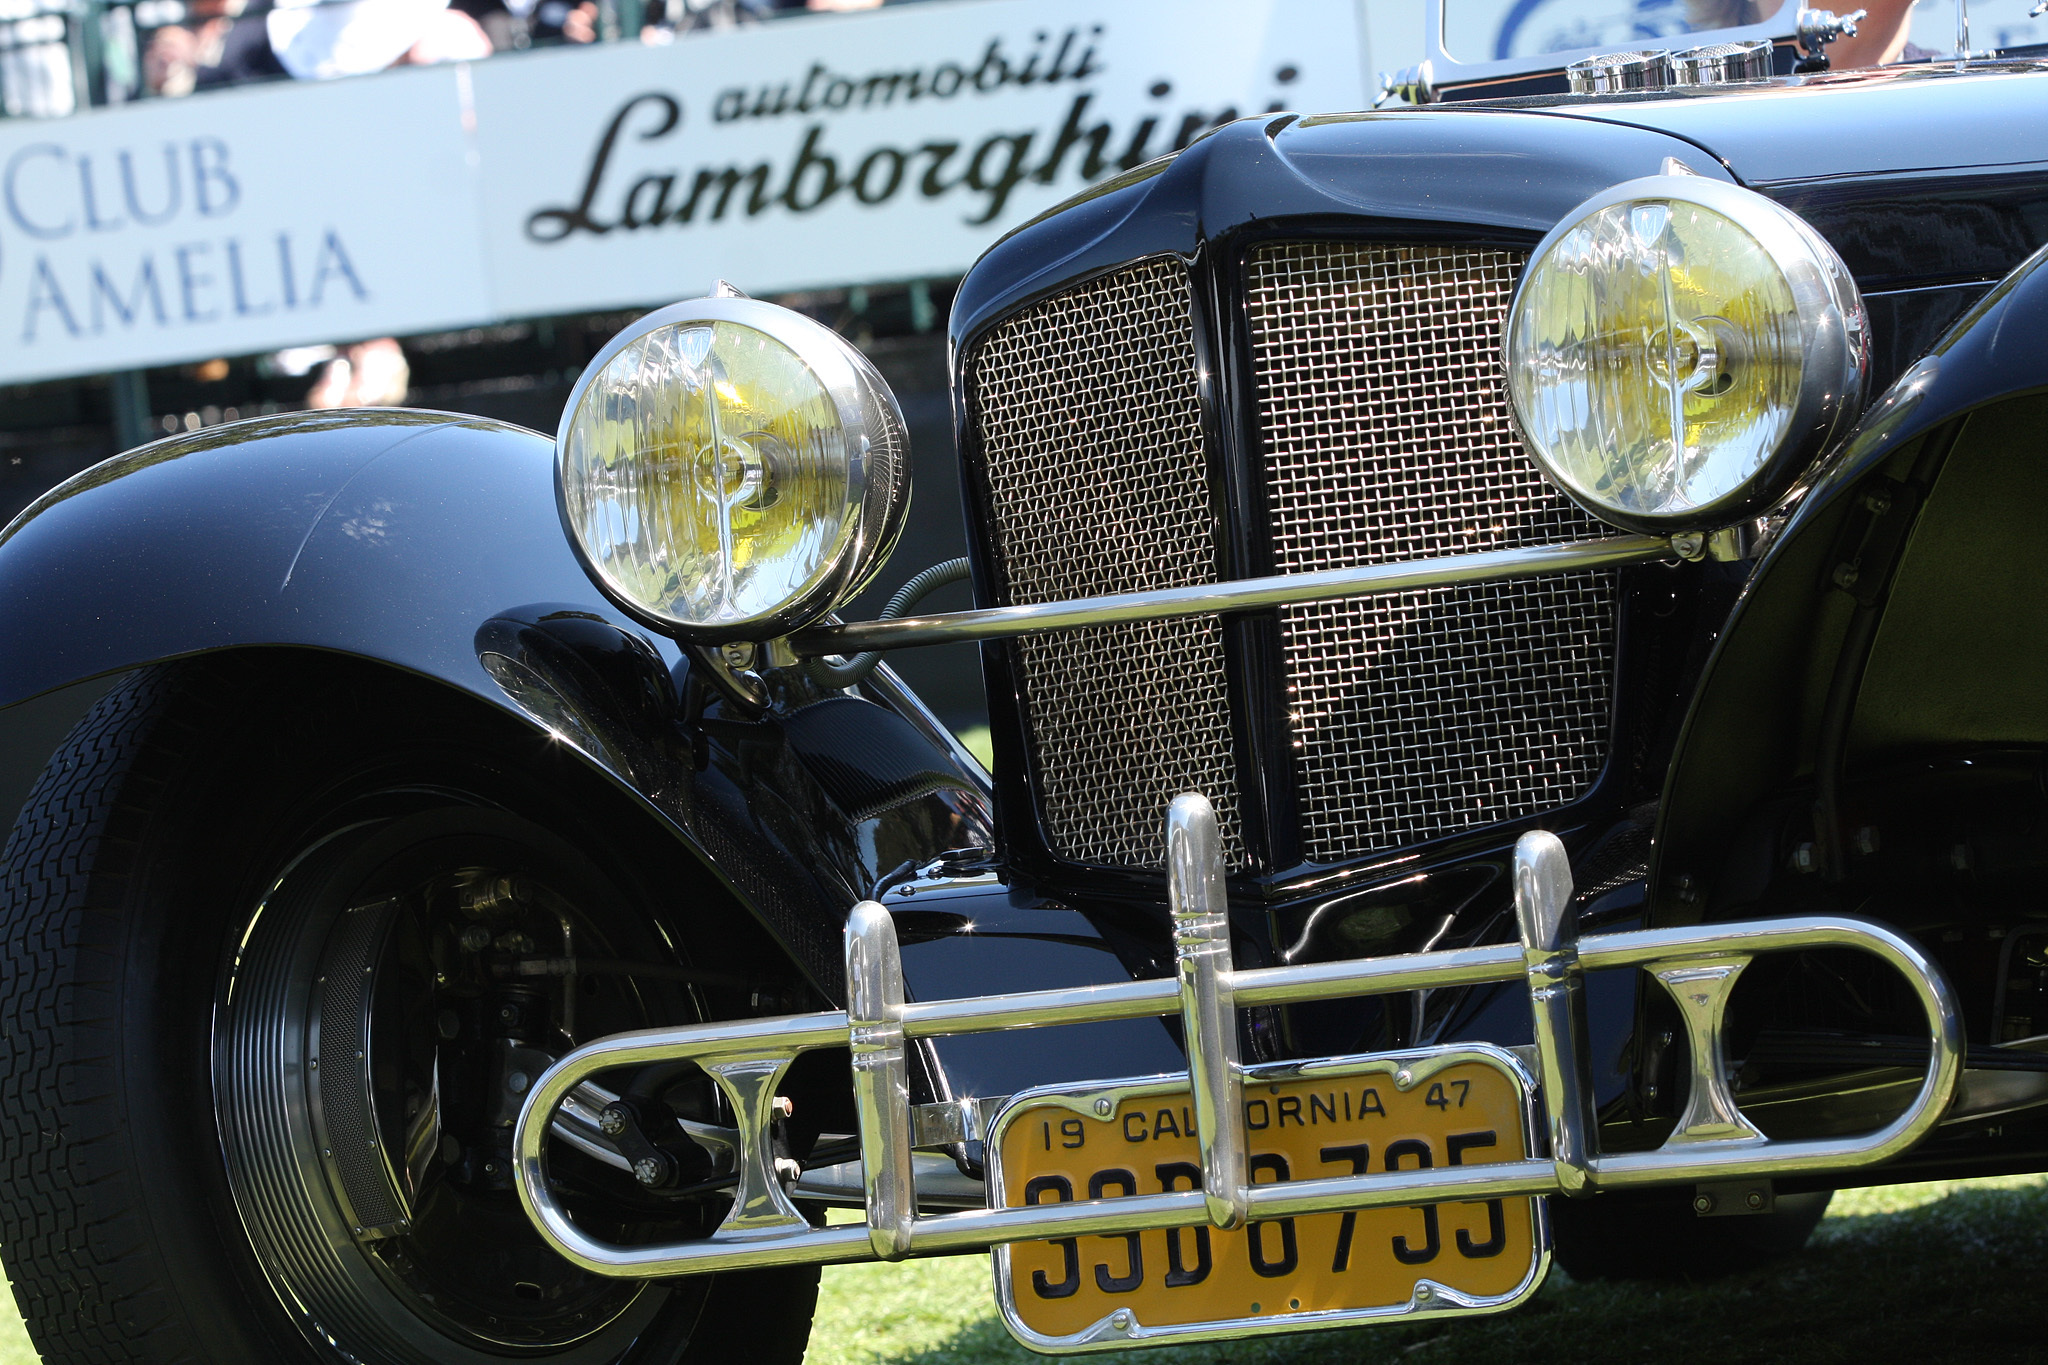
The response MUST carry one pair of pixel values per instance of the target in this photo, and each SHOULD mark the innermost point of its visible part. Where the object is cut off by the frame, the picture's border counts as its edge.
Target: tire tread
(89, 1280)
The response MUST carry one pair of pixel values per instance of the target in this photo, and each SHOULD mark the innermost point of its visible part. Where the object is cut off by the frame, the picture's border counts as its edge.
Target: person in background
(1880, 34)
(218, 44)
(667, 18)
(306, 39)
(369, 374)
(1880, 37)
(318, 40)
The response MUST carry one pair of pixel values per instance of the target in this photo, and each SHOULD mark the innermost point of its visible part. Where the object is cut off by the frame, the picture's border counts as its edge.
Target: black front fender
(431, 543)
(1899, 613)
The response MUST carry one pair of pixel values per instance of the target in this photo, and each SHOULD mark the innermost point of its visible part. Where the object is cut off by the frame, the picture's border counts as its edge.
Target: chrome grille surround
(1387, 437)
(1096, 482)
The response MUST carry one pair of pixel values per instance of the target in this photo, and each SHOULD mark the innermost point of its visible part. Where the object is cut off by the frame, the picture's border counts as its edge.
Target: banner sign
(885, 146)
(810, 152)
(183, 229)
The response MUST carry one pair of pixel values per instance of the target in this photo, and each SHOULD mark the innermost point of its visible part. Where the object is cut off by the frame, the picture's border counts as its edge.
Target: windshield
(1995, 26)
(1496, 30)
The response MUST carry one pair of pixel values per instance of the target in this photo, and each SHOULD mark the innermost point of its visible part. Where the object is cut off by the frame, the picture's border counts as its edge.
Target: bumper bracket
(1698, 965)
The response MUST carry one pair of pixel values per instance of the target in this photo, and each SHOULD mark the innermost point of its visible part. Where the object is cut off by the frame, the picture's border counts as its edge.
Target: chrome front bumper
(1698, 966)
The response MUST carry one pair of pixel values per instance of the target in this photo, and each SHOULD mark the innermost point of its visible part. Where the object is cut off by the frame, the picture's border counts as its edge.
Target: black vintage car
(1513, 628)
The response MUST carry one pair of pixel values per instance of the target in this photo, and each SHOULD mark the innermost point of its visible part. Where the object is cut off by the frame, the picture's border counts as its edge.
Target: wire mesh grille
(1096, 483)
(1387, 438)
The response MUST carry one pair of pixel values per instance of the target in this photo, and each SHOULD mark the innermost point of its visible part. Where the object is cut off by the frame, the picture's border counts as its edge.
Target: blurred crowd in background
(230, 42)
(57, 55)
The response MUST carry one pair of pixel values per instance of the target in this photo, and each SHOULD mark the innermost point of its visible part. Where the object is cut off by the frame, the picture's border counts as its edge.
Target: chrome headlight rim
(877, 461)
(1834, 345)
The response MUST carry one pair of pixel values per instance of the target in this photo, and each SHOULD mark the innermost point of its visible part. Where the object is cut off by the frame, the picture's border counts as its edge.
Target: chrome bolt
(516, 1082)
(1103, 1107)
(788, 1170)
(1404, 1078)
(612, 1121)
(1703, 1203)
(1755, 1199)
(784, 1106)
(646, 1170)
(1121, 1320)
(1690, 545)
(1424, 1293)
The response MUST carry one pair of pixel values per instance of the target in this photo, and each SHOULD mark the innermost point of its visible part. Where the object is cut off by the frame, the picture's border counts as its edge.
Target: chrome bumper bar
(1245, 594)
(1697, 966)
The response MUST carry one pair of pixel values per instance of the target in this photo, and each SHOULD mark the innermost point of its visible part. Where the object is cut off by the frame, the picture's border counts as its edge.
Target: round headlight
(731, 470)
(1678, 351)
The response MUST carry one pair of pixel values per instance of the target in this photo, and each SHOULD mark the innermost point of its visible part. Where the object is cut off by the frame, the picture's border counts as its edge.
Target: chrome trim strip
(1042, 1009)
(880, 1021)
(940, 1185)
(1701, 990)
(1550, 956)
(760, 1205)
(1244, 594)
(881, 1077)
(1208, 1009)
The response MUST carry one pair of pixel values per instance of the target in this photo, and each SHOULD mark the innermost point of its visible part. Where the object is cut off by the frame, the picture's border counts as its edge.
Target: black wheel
(278, 973)
(1655, 1235)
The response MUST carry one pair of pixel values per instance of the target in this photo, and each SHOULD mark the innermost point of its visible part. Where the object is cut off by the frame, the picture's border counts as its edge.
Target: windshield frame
(1448, 71)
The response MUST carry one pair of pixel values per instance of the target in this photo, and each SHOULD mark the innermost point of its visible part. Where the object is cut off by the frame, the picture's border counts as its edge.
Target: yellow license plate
(1462, 1106)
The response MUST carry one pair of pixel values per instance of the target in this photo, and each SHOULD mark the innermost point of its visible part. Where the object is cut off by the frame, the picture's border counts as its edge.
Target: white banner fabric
(818, 151)
(223, 225)
(882, 146)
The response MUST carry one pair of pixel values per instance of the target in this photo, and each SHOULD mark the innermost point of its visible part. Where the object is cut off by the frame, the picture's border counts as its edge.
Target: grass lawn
(1916, 1273)
(14, 1347)
(975, 740)
(1950, 1271)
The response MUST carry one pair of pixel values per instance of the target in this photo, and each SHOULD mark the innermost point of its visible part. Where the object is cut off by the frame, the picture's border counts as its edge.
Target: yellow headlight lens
(1662, 355)
(716, 480)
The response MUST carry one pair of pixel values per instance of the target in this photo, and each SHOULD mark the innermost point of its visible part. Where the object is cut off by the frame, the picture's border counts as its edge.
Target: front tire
(228, 880)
